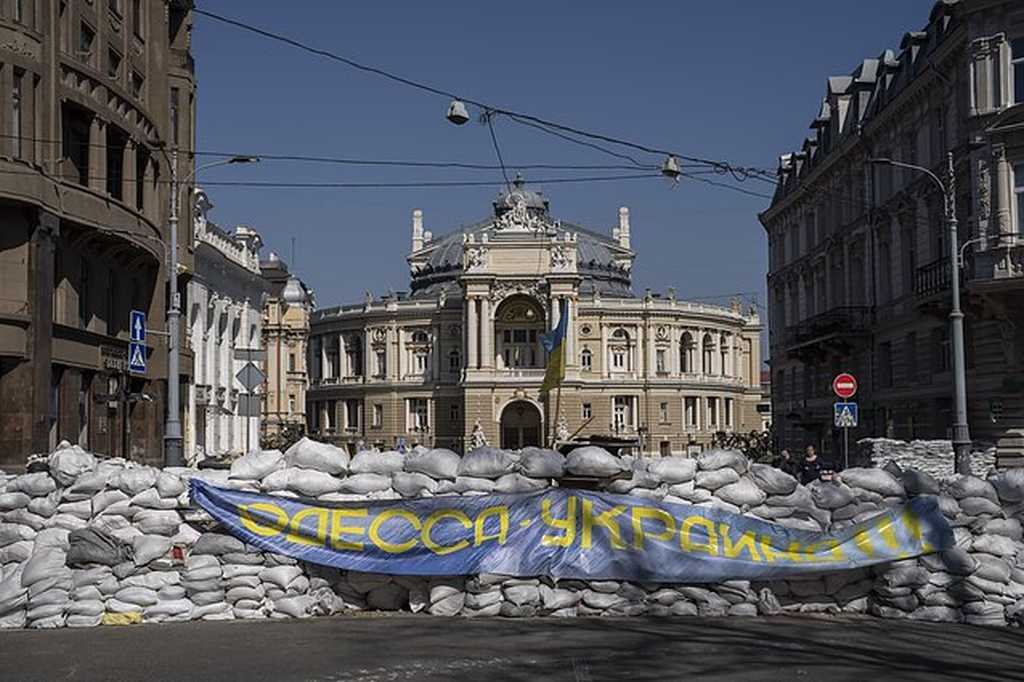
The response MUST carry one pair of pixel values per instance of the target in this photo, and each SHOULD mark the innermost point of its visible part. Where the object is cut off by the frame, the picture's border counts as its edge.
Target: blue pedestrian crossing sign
(138, 326)
(137, 357)
(845, 415)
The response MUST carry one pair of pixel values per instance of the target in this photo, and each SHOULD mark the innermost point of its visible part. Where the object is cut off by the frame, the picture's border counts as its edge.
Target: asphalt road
(398, 648)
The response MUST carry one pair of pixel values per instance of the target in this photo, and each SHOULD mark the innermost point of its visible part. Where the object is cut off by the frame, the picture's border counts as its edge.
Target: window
(727, 412)
(291, 362)
(417, 412)
(587, 411)
(137, 83)
(117, 141)
(332, 415)
(420, 362)
(587, 360)
(619, 359)
(351, 415)
(1018, 192)
(291, 403)
(723, 349)
(686, 351)
(622, 412)
(659, 361)
(137, 18)
(663, 413)
(940, 350)
(707, 361)
(16, 114)
(455, 413)
(1017, 69)
(378, 416)
(175, 96)
(712, 404)
(885, 364)
(113, 64)
(910, 351)
(454, 360)
(19, 10)
(690, 411)
(381, 361)
(809, 232)
(141, 164)
(86, 38)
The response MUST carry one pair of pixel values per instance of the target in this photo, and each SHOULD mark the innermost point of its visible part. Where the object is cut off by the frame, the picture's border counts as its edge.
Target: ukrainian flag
(554, 344)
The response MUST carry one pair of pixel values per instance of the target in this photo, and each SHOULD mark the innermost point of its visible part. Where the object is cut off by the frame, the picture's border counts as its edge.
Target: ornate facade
(859, 264)
(458, 361)
(225, 320)
(86, 87)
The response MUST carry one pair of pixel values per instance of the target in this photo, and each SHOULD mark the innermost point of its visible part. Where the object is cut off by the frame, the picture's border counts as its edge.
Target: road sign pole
(846, 448)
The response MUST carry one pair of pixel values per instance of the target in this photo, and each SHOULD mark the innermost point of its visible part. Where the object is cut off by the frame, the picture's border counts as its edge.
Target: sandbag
(217, 544)
(101, 501)
(41, 565)
(53, 538)
(148, 548)
(875, 480)
(34, 485)
(541, 463)
(373, 462)
(140, 596)
(13, 500)
(86, 485)
(11, 533)
(134, 481)
(437, 463)
(168, 485)
(517, 483)
(310, 454)
(711, 460)
(67, 464)
(487, 462)
(1009, 485)
(716, 478)
(771, 480)
(412, 484)
(972, 486)
(256, 465)
(591, 460)
(280, 575)
(157, 521)
(830, 495)
(742, 493)
(94, 546)
(303, 481)
(362, 484)
(673, 470)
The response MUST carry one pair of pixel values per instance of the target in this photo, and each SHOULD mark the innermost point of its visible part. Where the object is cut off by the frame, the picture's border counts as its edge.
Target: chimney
(623, 231)
(417, 230)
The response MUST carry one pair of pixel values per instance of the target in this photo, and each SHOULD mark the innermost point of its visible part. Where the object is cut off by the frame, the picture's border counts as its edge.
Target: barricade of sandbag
(93, 541)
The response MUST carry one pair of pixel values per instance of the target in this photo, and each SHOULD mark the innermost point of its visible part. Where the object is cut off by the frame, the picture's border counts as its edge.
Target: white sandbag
(134, 481)
(714, 479)
(771, 480)
(232, 571)
(86, 485)
(33, 485)
(302, 481)
(280, 575)
(140, 596)
(712, 460)
(42, 564)
(437, 463)
(236, 594)
(591, 460)
(186, 535)
(11, 533)
(217, 544)
(44, 506)
(256, 465)
(169, 607)
(541, 463)
(300, 606)
(150, 547)
(310, 454)
(207, 597)
(13, 620)
(743, 492)
(113, 605)
(86, 593)
(13, 500)
(517, 483)
(157, 522)
(487, 462)
(217, 611)
(53, 538)
(16, 552)
(412, 484)
(373, 462)
(830, 494)
(674, 469)
(362, 484)
(91, 576)
(150, 499)
(85, 607)
(876, 480)
(82, 509)
(169, 485)
(972, 486)
(153, 580)
(1009, 485)
(67, 464)
(25, 518)
(102, 501)
(171, 592)
(67, 521)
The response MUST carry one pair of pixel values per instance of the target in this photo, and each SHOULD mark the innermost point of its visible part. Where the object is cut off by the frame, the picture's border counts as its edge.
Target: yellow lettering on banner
(338, 517)
(835, 550)
(319, 536)
(605, 519)
(432, 520)
(688, 544)
(887, 529)
(641, 513)
(746, 542)
(913, 523)
(246, 513)
(771, 552)
(480, 536)
(381, 519)
(862, 540)
(567, 525)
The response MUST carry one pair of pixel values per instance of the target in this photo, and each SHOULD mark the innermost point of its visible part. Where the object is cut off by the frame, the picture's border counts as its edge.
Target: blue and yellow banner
(564, 533)
(554, 343)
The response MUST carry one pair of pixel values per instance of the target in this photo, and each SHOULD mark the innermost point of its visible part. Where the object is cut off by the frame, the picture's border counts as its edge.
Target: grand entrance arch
(520, 425)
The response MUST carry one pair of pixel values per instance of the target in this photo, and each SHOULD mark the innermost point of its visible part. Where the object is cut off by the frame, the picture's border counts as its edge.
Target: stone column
(343, 369)
(604, 352)
(435, 353)
(128, 173)
(486, 334)
(97, 154)
(1003, 194)
(649, 370)
(472, 333)
(367, 355)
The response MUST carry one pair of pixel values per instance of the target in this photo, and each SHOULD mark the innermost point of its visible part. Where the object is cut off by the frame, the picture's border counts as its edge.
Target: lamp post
(961, 433)
(172, 425)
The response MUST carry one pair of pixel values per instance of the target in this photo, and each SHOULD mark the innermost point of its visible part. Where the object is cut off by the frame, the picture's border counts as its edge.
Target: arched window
(707, 354)
(687, 361)
(587, 360)
(454, 360)
(518, 324)
(420, 337)
(724, 349)
(619, 359)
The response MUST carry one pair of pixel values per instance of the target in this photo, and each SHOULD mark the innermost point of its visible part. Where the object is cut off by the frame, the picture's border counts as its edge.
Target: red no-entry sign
(844, 385)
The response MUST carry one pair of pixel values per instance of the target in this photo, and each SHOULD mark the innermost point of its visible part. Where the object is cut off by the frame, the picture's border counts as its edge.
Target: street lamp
(961, 433)
(172, 426)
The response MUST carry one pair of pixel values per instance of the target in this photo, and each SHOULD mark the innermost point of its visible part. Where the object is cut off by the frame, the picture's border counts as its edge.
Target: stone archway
(521, 425)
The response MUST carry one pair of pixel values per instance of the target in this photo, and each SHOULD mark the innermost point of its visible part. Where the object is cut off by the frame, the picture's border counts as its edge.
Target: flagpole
(554, 424)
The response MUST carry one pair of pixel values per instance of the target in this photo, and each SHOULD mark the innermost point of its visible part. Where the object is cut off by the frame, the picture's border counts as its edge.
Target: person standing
(811, 468)
(786, 463)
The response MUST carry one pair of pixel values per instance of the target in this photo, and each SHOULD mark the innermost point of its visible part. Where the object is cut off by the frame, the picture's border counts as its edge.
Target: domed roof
(294, 293)
(510, 198)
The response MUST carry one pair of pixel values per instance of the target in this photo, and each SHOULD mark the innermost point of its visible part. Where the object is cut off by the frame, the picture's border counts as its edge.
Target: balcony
(933, 278)
(831, 331)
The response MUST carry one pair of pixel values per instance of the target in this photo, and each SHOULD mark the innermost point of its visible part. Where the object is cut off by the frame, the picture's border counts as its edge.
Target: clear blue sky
(731, 80)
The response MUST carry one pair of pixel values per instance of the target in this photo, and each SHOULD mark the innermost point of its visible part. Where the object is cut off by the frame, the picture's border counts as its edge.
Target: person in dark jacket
(786, 463)
(812, 466)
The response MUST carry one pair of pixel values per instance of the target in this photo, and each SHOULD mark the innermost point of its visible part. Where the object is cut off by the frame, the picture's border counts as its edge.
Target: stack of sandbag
(202, 580)
(48, 580)
(287, 588)
(245, 591)
(873, 491)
